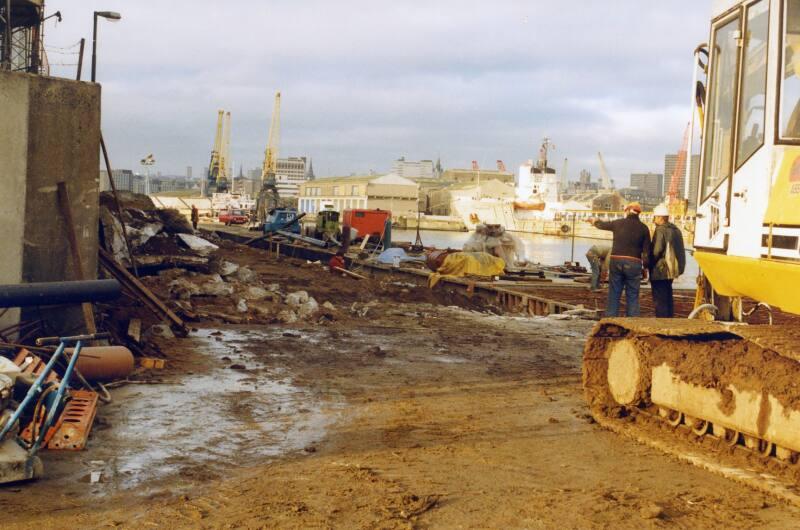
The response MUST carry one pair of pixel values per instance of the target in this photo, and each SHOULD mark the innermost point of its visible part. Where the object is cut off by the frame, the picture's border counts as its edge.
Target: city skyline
(363, 84)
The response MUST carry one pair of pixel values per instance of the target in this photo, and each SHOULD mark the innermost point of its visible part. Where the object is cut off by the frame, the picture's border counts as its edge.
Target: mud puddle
(193, 427)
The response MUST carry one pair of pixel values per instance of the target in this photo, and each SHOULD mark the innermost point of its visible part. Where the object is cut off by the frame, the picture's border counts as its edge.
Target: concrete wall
(13, 168)
(53, 135)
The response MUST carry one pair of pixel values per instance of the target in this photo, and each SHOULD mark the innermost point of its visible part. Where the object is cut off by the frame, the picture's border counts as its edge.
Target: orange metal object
(35, 367)
(75, 422)
(72, 428)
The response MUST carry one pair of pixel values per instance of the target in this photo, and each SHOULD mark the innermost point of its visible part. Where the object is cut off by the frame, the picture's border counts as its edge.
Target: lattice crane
(675, 203)
(268, 196)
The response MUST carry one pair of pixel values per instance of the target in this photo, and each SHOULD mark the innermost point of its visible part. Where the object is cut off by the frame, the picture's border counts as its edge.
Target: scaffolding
(21, 40)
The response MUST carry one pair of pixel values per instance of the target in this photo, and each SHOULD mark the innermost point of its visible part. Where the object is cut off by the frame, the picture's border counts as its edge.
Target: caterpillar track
(724, 397)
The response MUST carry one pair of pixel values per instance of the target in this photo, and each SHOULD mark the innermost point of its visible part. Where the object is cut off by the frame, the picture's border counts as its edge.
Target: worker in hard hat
(668, 261)
(630, 252)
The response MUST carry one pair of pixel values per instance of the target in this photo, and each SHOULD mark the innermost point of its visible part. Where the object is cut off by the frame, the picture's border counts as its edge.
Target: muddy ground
(393, 410)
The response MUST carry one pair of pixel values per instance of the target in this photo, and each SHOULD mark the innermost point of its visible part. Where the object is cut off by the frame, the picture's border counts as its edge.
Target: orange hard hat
(634, 207)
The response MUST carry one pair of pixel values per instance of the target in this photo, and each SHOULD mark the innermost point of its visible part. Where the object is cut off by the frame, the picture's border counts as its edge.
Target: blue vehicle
(278, 218)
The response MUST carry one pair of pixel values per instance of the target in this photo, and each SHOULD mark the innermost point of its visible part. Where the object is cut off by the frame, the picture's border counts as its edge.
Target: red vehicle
(234, 217)
(367, 222)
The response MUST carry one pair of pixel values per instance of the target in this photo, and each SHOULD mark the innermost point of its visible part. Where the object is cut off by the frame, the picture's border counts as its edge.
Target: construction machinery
(268, 197)
(327, 226)
(725, 395)
(218, 171)
(676, 205)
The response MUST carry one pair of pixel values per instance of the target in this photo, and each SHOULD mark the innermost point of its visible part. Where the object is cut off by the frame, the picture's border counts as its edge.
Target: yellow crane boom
(271, 152)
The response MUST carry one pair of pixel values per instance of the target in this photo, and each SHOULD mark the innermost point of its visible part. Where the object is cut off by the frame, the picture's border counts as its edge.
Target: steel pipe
(54, 293)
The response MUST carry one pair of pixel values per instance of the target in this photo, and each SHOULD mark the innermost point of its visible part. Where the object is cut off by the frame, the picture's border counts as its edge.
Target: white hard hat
(661, 211)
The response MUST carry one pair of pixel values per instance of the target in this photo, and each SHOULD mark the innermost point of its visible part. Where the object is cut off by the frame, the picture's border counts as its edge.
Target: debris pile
(159, 238)
(495, 240)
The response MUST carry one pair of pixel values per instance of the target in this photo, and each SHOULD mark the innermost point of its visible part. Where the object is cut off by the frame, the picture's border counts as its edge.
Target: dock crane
(217, 177)
(268, 196)
(605, 179)
(677, 205)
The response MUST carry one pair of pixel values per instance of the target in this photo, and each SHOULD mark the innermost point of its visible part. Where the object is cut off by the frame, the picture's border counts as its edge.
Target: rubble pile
(495, 240)
(159, 238)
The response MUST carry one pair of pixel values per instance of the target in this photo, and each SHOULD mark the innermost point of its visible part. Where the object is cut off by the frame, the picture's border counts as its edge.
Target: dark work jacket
(667, 232)
(631, 237)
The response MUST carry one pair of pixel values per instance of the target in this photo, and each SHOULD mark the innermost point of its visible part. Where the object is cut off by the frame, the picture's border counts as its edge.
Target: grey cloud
(364, 82)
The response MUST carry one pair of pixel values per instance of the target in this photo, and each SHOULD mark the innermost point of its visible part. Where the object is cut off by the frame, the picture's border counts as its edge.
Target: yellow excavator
(721, 393)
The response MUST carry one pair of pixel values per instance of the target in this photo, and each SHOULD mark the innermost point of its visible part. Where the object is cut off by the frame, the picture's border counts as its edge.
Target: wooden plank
(75, 252)
(135, 329)
(139, 290)
(351, 273)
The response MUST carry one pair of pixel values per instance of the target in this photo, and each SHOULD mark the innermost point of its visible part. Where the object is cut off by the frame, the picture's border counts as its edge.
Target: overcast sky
(365, 82)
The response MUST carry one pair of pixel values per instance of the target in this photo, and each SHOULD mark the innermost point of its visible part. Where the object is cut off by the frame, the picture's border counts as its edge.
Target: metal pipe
(80, 60)
(54, 293)
(94, 54)
(117, 205)
(698, 309)
(688, 175)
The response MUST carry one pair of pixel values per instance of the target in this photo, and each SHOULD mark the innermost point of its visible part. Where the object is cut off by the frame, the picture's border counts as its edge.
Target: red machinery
(367, 222)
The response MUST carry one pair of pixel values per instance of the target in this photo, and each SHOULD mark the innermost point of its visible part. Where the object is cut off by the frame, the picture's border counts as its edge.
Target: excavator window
(721, 105)
(752, 111)
(790, 86)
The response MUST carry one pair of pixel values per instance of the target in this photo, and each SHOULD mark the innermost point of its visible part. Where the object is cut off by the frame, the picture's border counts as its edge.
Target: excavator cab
(724, 395)
(748, 194)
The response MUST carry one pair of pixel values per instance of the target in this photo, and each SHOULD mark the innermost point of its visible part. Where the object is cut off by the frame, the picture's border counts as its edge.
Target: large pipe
(54, 293)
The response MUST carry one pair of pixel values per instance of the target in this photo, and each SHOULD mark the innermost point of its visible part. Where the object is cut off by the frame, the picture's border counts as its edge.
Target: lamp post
(113, 16)
(147, 161)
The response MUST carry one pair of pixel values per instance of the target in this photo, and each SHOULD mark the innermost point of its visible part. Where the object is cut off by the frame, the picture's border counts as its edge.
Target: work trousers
(662, 298)
(624, 274)
(596, 265)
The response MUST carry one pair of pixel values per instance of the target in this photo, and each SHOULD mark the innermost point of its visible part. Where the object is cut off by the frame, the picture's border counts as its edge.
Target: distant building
(651, 183)
(670, 161)
(188, 172)
(411, 169)
(123, 180)
(639, 195)
(247, 186)
(289, 174)
(387, 192)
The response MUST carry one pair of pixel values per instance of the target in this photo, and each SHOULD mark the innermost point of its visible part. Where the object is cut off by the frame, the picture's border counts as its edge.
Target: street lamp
(113, 16)
(147, 161)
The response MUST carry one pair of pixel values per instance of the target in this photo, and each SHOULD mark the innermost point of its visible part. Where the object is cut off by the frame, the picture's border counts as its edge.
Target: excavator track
(725, 397)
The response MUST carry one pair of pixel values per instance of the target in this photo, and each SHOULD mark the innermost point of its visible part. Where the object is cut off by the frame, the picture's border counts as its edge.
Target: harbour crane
(268, 196)
(217, 177)
(676, 204)
(605, 180)
(723, 394)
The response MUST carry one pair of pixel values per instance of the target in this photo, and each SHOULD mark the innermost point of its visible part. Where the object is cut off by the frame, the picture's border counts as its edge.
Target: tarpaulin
(460, 264)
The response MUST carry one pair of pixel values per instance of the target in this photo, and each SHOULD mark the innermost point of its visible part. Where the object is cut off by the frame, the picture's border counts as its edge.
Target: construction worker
(337, 262)
(598, 256)
(629, 259)
(195, 216)
(668, 261)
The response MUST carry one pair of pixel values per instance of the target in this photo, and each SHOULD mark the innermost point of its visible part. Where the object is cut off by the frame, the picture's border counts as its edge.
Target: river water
(546, 250)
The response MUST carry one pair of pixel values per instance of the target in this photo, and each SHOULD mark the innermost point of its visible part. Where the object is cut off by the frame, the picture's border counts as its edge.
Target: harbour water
(547, 250)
